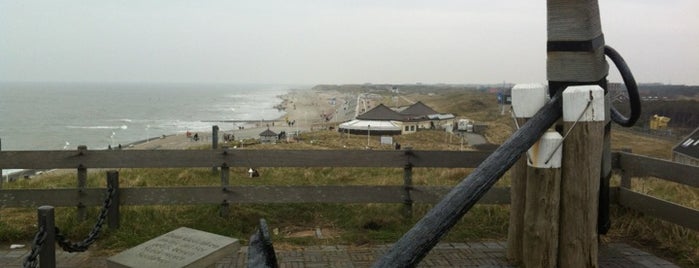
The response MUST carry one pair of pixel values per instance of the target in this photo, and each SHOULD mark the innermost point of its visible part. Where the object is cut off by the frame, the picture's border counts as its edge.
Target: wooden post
(81, 213)
(527, 99)
(575, 47)
(419, 240)
(113, 212)
(583, 121)
(47, 253)
(407, 187)
(575, 56)
(626, 174)
(603, 219)
(214, 144)
(214, 137)
(225, 176)
(541, 215)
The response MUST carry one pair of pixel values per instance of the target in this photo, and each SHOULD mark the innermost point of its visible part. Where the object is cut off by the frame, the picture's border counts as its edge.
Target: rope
(631, 88)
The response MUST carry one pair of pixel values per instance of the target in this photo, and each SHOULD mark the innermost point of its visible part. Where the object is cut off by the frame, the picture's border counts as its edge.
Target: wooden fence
(629, 165)
(632, 166)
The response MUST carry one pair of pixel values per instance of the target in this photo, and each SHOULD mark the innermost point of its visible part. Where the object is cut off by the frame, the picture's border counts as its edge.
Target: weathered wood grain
(660, 209)
(644, 166)
(518, 184)
(236, 194)
(579, 195)
(236, 158)
(541, 216)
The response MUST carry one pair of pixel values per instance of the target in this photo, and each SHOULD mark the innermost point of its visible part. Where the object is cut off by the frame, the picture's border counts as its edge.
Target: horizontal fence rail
(659, 208)
(238, 194)
(236, 158)
(644, 166)
(628, 164)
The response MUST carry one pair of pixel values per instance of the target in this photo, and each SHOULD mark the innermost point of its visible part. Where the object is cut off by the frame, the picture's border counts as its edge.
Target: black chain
(31, 261)
(82, 246)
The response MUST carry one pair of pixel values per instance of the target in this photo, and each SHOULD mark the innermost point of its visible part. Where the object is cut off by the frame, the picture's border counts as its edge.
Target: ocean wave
(98, 127)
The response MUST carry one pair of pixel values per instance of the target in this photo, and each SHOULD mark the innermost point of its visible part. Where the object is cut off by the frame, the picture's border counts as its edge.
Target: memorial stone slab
(183, 247)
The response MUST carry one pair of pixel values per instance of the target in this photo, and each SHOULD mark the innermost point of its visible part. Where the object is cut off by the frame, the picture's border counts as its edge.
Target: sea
(62, 116)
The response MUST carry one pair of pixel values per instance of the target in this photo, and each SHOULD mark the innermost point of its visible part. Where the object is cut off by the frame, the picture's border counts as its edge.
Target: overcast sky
(310, 42)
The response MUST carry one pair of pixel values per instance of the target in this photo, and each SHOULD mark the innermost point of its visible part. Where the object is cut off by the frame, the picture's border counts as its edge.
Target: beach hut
(268, 136)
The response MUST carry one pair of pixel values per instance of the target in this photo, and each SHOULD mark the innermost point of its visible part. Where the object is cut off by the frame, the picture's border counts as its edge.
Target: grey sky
(481, 41)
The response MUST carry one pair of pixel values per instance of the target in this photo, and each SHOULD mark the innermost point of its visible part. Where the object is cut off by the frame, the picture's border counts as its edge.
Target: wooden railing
(225, 159)
(629, 165)
(632, 166)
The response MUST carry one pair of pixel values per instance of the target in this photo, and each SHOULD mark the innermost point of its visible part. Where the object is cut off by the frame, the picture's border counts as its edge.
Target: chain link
(82, 246)
(31, 261)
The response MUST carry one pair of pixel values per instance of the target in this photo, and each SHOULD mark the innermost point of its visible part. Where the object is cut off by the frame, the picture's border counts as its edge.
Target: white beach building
(382, 120)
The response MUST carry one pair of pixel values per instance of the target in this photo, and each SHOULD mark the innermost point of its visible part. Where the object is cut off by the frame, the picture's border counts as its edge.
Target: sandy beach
(305, 110)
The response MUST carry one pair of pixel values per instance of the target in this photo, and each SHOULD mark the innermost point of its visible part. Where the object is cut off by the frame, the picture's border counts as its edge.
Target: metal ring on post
(631, 88)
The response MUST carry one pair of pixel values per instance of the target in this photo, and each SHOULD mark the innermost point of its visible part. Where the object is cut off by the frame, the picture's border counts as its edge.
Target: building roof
(418, 109)
(268, 133)
(381, 112)
(440, 116)
(373, 125)
(416, 112)
(689, 145)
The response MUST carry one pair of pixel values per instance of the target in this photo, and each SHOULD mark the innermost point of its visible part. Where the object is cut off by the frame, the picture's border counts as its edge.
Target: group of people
(228, 137)
(109, 147)
(194, 137)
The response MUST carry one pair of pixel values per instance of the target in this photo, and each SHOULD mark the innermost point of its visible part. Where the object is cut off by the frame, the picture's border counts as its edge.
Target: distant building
(382, 120)
(687, 150)
(268, 136)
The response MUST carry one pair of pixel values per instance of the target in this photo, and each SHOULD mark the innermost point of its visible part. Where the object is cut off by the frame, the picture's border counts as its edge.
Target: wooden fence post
(82, 183)
(214, 137)
(407, 187)
(225, 176)
(214, 144)
(583, 121)
(527, 99)
(626, 174)
(47, 253)
(113, 212)
(541, 214)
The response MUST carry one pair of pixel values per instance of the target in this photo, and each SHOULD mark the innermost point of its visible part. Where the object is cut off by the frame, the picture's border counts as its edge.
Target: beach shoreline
(307, 109)
(304, 110)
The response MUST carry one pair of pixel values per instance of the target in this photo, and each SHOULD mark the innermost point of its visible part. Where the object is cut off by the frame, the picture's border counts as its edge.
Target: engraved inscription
(177, 248)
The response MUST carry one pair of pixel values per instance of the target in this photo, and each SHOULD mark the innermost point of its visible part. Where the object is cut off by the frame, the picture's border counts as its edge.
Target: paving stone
(476, 254)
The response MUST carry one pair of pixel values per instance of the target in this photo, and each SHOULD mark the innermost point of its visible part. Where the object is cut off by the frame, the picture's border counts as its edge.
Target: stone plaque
(183, 247)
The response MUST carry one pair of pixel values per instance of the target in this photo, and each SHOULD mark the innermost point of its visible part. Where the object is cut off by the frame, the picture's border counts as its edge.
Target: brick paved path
(476, 254)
